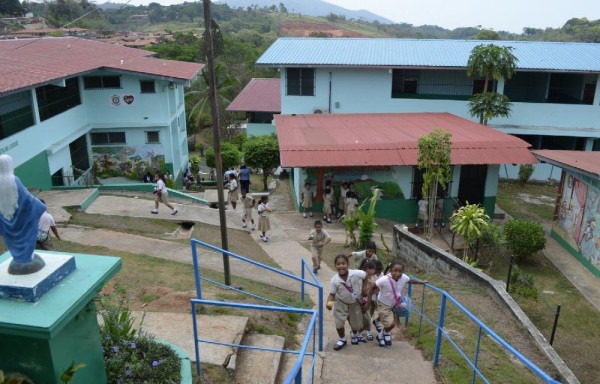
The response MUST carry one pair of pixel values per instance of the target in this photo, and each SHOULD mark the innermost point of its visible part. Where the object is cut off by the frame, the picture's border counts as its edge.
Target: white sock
(343, 338)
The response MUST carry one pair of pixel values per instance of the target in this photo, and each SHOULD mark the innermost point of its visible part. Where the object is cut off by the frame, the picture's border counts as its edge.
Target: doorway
(472, 184)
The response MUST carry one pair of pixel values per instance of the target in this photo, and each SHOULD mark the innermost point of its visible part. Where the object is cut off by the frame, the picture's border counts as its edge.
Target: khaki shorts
(317, 253)
(350, 312)
(162, 198)
(386, 315)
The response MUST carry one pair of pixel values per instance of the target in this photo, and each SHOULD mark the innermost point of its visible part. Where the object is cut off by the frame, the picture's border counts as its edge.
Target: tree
(434, 158)
(230, 156)
(197, 97)
(11, 8)
(524, 238)
(487, 34)
(262, 152)
(470, 221)
(490, 62)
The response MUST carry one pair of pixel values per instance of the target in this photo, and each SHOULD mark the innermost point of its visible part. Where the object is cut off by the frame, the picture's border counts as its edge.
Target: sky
(499, 15)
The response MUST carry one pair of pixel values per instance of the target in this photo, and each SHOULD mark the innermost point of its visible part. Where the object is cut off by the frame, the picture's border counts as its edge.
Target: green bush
(230, 156)
(525, 172)
(524, 238)
(523, 284)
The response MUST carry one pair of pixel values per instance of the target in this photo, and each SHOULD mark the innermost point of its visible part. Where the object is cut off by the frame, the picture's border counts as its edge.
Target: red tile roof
(31, 62)
(386, 139)
(586, 162)
(259, 95)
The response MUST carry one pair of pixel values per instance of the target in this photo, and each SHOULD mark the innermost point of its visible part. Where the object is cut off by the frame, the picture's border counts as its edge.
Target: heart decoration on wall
(128, 99)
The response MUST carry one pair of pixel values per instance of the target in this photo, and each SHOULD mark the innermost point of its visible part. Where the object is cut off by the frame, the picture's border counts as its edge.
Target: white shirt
(160, 186)
(347, 291)
(46, 221)
(233, 185)
(318, 237)
(386, 295)
(359, 256)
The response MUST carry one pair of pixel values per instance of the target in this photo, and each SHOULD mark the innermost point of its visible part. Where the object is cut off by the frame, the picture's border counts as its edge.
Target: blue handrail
(441, 334)
(297, 369)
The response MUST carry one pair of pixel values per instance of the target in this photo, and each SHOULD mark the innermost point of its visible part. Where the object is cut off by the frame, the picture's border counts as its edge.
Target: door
(472, 184)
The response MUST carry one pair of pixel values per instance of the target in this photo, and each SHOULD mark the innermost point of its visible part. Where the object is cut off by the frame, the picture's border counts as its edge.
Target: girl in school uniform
(369, 267)
(351, 204)
(344, 298)
(233, 190)
(342, 202)
(264, 224)
(327, 205)
(248, 203)
(390, 293)
(307, 200)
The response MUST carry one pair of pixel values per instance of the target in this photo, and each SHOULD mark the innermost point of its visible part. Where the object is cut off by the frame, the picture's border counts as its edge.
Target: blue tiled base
(33, 286)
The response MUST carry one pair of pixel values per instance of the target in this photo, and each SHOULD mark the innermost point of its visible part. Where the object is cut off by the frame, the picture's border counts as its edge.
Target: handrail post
(298, 378)
(320, 318)
(302, 282)
(476, 356)
(438, 341)
(556, 316)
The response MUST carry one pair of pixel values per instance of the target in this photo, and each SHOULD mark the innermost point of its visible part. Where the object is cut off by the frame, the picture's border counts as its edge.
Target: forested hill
(310, 8)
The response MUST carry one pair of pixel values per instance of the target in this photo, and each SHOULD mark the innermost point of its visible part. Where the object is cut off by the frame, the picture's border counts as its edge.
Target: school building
(577, 211)
(67, 104)
(554, 93)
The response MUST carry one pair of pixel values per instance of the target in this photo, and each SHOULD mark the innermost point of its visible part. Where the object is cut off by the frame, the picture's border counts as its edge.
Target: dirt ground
(304, 29)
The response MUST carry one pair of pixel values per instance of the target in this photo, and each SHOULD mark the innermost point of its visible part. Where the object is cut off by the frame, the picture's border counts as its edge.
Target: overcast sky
(507, 15)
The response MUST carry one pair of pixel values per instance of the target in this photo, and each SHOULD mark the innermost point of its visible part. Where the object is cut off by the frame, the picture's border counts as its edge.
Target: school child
(344, 298)
(368, 253)
(390, 294)
(422, 214)
(351, 189)
(369, 267)
(264, 224)
(327, 205)
(343, 195)
(319, 238)
(248, 203)
(161, 194)
(351, 204)
(233, 190)
(373, 307)
(307, 200)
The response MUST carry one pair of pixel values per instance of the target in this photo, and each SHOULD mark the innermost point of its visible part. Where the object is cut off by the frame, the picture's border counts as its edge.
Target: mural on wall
(578, 218)
(132, 162)
(364, 180)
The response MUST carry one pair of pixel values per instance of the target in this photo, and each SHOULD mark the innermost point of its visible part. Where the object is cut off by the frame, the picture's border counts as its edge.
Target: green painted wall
(489, 204)
(586, 263)
(35, 173)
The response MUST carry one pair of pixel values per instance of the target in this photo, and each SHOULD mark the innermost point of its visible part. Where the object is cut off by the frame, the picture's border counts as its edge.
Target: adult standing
(47, 224)
(244, 178)
(161, 194)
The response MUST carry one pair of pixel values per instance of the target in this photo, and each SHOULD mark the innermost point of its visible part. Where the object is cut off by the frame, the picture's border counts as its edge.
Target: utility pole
(210, 67)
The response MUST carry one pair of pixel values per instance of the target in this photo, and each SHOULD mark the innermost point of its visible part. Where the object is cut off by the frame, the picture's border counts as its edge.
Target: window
(152, 137)
(16, 113)
(404, 82)
(147, 86)
(108, 138)
(300, 81)
(101, 82)
(53, 100)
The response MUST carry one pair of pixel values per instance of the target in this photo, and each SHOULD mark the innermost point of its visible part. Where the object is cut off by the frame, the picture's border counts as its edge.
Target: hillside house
(260, 100)
(67, 103)
(556, 100)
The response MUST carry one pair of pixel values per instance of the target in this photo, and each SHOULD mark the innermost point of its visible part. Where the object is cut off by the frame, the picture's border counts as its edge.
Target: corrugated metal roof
(386, 52)
(583, 161)
(386, 139)
(30, 62)
(260, 95)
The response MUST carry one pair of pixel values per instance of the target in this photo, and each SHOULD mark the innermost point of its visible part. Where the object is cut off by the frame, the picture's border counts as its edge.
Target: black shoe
(315, 270)
(380, 341)
(339, 345)
(387, 339)
(354, 340)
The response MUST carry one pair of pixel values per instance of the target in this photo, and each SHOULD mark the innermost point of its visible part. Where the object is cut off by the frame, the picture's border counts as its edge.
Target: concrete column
(589, 143)
(34, 106)
(500, 87)
(596, 101)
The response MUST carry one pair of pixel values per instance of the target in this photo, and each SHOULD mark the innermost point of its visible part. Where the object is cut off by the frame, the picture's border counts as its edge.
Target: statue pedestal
(42, 339)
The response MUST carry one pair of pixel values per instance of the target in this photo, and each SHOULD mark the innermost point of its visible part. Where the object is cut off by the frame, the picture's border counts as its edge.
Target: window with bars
(300, 81)
(147, 86)
(54, 100)
(108, 138)
(152, 137)
(404, 81)
(101, 82)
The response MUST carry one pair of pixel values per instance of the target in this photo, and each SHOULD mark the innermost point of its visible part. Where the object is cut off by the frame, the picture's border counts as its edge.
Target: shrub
(523, 284)
(525, 172)
(524, 238)
(230, 156)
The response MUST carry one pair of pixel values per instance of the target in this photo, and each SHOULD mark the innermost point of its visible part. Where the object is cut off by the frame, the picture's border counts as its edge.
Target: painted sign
(125, 100)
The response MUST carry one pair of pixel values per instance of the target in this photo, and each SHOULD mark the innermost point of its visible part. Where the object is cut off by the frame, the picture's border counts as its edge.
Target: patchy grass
(513, 198)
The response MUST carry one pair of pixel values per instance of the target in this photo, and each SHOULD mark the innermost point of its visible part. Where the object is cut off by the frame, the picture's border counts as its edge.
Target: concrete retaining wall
(410, 247)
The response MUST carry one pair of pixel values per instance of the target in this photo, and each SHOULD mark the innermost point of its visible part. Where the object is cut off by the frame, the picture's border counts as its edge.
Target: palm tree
(490, 62)
(197, 97)
(470, 222)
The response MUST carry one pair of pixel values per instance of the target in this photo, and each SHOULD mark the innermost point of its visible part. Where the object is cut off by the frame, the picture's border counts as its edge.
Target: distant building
(260, 100)
(66, 103)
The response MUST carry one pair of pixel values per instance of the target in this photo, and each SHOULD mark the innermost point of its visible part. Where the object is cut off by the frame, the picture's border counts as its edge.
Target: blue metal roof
(364, 52)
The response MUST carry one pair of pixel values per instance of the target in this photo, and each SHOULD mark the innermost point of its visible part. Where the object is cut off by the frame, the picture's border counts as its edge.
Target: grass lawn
(533, 201)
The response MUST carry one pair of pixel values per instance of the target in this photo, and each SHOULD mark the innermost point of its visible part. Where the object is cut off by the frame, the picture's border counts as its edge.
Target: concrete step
(177, 328)
(258, 367)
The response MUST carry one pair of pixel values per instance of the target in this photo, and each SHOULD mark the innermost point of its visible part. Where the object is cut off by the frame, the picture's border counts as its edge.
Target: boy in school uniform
(319, 238)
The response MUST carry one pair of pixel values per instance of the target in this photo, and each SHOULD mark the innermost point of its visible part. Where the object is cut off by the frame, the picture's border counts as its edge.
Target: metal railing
(441, 334)
(296, 373)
